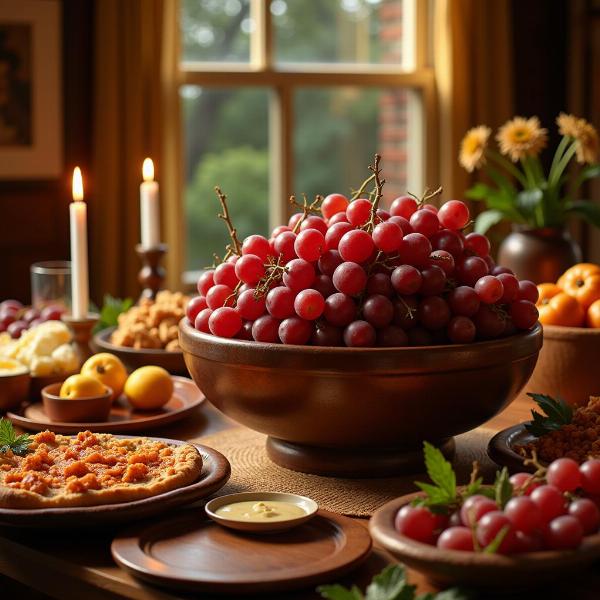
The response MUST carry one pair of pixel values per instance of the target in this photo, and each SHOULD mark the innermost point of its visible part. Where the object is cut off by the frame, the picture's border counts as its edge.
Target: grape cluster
(360, 276)
(554, 512)
(16, 318)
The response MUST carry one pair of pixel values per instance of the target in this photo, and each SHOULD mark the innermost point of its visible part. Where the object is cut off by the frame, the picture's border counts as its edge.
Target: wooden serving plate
(189, 552)
(215, 474)
(122, 418)
(486, 571)
(500, 448)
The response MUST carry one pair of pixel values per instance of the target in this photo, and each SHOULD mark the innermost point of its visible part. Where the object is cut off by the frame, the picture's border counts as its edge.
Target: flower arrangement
(522, 192)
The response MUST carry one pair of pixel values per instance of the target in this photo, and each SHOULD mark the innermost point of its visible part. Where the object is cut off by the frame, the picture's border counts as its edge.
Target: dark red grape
(378, 311)
(461, 330)
(359, 334)
(392, 336)
(406, 280)
(266, 329)
(405, 312)
(340, 310)
(433, 281)
(433, 313)
(464, 301)
(295, 330)
(329, 261)
(380, 283)
(280, 302)
(327, 335)
(350, 278)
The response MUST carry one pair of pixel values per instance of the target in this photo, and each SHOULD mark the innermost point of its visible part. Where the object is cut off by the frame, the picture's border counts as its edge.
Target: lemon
(81, 386)
(108, 369)
(149, 388)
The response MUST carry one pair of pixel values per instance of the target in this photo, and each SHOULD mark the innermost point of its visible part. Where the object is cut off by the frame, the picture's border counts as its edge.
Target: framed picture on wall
(31, 144)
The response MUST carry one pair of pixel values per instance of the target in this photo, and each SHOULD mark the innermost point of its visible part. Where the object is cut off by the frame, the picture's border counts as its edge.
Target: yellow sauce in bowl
(11, 367)
(261, 511)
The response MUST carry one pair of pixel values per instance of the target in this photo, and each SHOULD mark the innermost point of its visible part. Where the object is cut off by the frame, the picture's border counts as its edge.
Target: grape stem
(235, 247)
(234, 295)
(427, 195)
(377, 193)
(274, 274)
(313, 208)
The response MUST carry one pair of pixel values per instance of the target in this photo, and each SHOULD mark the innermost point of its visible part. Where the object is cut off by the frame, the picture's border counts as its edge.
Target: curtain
(472, 54)
(129, 101)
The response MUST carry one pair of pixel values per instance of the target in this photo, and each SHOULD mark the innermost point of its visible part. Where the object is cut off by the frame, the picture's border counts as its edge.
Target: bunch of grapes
(16, 318)
(345, 272)
(554, 512)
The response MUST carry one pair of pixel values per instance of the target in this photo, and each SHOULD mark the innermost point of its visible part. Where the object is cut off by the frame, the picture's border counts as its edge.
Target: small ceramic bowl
(309, 506)
(14, 388)
(486, 571)
(77, 410)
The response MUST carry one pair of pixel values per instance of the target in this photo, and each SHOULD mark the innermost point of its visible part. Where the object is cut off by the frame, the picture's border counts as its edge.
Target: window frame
(282, 80)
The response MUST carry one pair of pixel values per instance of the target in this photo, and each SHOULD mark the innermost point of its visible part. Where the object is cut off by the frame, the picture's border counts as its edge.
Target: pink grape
(266, 329)
(338, 218)
(217, 295)
(454, 214)
(249, 269)
(417, 523)
(425, 222)
(523, 513)
(563, 533)
(314, 222)
(194, 306)
(404, 206)
(359, 334)
(280, 302)
(334, 204)
(299, 275)
(490, 525)
(279, 230)
(387, 237)
(310, 245)
(225, 274)
(205, 282)
(523, 482)
(550, 502)
(590, 476)
(406, 280)
(335, 233)
(350, 278)
(295, 331)
(356, 246)
(309, 305)
(256, 244)
(403, 223)
(284, 246)
(587, 513)
(456, 538)
(250, 307)
(564, 474)
(359, 212)
(225, 322)
(201, 321)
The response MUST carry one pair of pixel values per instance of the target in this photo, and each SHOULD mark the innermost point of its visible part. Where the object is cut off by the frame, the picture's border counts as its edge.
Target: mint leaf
(390, 584)
(10, 441)
(503, 488)
(473, 487)
(556, 414)
(439, 469)
(111, 310)
(339, 592)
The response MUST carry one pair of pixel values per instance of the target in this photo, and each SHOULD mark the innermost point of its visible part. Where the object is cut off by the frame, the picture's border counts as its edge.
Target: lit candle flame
(148, 170)
(77, 185)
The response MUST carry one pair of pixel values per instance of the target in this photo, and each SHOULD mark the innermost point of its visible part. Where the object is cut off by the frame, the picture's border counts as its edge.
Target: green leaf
(390, 584)
(10, 441)
(557, 413)
(111, 310)
(480, 191)
(589, 172)
(503, 488)
(493, 546)
(473, 487)
(487, 219)
(528, 200)
(436, 496)
(584, 209)
(440, 470)
(339, 592)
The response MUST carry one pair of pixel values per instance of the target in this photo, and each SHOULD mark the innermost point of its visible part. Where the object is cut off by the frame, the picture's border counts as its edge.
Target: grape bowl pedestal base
(352, 462)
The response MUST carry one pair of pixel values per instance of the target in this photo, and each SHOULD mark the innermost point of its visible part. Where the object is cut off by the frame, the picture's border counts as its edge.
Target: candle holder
(152, 273)
(81, 330)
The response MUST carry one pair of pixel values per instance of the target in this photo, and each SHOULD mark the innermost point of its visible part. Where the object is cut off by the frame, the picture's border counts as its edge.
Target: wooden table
(79, 565)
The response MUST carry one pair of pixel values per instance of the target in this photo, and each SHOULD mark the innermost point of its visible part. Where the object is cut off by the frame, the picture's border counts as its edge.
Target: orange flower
(522, 137)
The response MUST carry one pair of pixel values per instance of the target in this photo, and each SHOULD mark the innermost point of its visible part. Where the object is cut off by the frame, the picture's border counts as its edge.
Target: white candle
(79, 250)
(149, 209)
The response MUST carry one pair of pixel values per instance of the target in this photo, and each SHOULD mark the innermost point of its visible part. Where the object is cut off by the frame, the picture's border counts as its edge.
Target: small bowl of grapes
(354, 332)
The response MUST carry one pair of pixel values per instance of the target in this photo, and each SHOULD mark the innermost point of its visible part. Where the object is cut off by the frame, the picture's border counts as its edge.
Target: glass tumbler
(51, 284)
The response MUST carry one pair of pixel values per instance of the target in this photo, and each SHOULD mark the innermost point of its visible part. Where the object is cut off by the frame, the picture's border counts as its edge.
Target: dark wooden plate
(486, 571)
(186, 398)
(215, 474)
(501, 448)
(134, 358)
(189, 552)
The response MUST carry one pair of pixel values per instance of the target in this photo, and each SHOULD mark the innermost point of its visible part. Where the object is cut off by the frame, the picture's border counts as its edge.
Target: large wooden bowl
(134, 358)
(354, 411)
(569, 364)
(492, 572)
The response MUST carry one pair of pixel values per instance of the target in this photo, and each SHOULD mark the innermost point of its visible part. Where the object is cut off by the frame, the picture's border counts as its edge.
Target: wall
(34, 214)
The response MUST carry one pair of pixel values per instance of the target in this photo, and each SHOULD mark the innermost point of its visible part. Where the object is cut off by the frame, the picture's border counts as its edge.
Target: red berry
(225, 322)
(524, 314)
(218, 295)
(309, 245)
(590, 476)
(563, 533)
(491, 525)
(588, 514)
(523, 513)
(249, 269)
(359, 212)
(284, 246)
(478, 244)
(489, 289)
(335, 233)
(564, 474)
(406, 280)
(201, 321)
(359, 334)
(334, 204)
(425, 222)
(249, 306)
(340, 310)
(387, 237)
(295, 331)
(474, 507)
(194, 306)
(404, 206)
(206, 281)
(309, 304)
(456, 538)
(266, 329)
(550, 502)
(299, 275)
(454, 214)
(417, 523)
(528, 291)
(257, 244)
(356, 246)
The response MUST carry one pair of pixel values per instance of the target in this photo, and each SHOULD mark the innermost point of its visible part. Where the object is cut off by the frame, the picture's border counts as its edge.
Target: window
(295, 96)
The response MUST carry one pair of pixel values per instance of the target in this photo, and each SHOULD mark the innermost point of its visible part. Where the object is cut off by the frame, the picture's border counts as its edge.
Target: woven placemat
(253, 471)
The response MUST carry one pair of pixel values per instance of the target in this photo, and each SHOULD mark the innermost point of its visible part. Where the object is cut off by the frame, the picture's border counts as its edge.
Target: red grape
(250, 307)
(433, 281)
(257, 244)
(295, 330)
(425, 222)
(10, 305)
(490, 323)
(550, 502)
(392, 336)
(382, 215)
(524, 314)
(248, 269)
(474, 507)
(380, 283)
(387, 237)
(490, 525)
(309, 245)
(218, 295)
(523, 513)
(329, 261)
(415, 250)
(245, 333)
(461, 330)
(324, 285)
(417, 523)
(350, 278)
(442, 259)
(563, 533)
(201, 321)
(32, 314)
(523, 482)
(406, 280)
(299, 275)
(433, 313)
(294, 220)
(309, 305)
(449, 241)
(284, 246)
(563, 473)
(478, 244)
(456, 538)
(334, 204)
(16, 329)
(378, 311)
(335, 233)
(403, 223)
(501, 270)
(266, 329)
(340, 310)
(225, 322)
(205, 282)
(314, 222)
(470, 269)
(280, 302)
(279, 230)
(337, 218)
(590, 476)
(404, 206)
(359, 334)
(356, 246)
(52, 312)
(528, 291)
(525, 542)
(489, 289)
(464, 301)
(359, 212)
(225, 274)
(194, 306)
(454, 214)
(511, 287)
(587, 513)
(327, 335)
(405, 312)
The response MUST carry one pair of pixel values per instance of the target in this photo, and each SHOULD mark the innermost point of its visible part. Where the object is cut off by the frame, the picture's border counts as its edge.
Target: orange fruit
(582, 282)
(107, 369)
(593, 315)
(148, 388)
(81, 386)
(558, 308)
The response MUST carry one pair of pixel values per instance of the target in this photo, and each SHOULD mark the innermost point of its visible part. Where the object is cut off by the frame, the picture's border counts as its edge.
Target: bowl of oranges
(569, 311)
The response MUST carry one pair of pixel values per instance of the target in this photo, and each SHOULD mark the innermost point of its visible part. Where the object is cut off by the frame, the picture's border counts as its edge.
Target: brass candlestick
(81, 330)
(152, 273)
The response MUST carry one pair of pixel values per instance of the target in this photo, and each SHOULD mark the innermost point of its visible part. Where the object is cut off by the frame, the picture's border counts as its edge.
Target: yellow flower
(521, 137)
(585, 134)
(472, 148)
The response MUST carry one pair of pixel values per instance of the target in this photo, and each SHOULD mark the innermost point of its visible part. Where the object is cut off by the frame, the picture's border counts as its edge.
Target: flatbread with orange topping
(94, 468)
